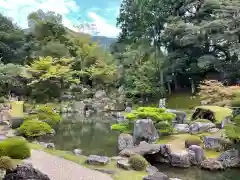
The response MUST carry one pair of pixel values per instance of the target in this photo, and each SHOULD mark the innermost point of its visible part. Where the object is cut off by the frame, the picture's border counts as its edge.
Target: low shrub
(120, 127)
(155, 114)
(34, 128)
(162, 125)
(192, 140)
(47, 114)
(235, 102)
(16, 148)
(7, 163)
(138, 162)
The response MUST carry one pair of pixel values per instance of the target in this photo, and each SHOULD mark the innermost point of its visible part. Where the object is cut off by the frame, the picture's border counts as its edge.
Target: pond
(91, 135)
(195, 173)
(94, 136)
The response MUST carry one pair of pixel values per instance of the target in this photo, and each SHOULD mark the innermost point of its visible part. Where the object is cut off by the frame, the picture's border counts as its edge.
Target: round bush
(7, 163)
(34, 128)
(192, 140)
(138, 162)
(16, 148)
(47, 114)
(120, 127)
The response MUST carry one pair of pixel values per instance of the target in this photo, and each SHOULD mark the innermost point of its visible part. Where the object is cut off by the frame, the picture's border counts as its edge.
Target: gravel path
(61, 169)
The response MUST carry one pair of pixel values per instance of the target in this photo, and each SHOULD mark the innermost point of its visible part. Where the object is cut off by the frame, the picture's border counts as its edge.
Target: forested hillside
(163, 46)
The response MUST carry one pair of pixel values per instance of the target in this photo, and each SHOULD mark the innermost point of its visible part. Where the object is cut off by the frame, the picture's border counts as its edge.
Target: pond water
(91, 135)
(94, 136)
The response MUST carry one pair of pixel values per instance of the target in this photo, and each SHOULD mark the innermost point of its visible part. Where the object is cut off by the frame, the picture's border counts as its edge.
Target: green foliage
(34, 128)
(47, 114)
(233, 132)
(235, 102)
(155, 114)
(16, 148)
(7, 163)
(120, 127)
(192, 140)
(138, 162)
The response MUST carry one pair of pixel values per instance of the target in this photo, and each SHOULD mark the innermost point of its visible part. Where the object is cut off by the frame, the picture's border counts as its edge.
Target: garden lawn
(120, 174)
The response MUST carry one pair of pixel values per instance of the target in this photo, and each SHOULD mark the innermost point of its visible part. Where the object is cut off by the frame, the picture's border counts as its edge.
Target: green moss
(192, 140)
(220, 113)
(7, 163)
(235, 102)
(34, 128)
(212, 153)
(16, 148)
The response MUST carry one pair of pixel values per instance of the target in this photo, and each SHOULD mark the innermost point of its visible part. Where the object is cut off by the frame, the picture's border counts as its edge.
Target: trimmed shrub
(47, 114)
(7, 163)
(138, 162)
(120, 127)
(155, 114)
(34, 128)
(192, 140)
(16, 148)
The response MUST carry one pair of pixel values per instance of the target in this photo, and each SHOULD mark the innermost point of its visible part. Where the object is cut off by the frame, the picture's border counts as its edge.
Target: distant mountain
(103, 40)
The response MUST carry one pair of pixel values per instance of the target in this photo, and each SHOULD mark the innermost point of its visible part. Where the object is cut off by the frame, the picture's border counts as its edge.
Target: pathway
(61, 169)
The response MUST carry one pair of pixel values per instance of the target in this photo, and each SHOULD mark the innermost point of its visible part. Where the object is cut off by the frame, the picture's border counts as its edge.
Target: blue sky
(102, 13)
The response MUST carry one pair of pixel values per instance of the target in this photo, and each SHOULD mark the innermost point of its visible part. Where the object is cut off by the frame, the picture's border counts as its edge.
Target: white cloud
(102, 26)
(18, 10)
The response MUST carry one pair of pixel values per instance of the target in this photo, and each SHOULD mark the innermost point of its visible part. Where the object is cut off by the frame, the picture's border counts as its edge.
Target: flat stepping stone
(97, 160)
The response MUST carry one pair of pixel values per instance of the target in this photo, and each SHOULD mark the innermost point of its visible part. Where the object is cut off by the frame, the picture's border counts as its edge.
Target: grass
(120, 174)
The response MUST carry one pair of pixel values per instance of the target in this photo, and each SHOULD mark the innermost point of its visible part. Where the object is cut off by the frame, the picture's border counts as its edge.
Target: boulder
(77, 152)
(230, 158)
(100, 94)
(25, 171)
(128, 109)
(142, 149)
(97, 160)
(213, 130)
(3, 137)
(198, 154)
(123, 163)
(198, 127)
(125, 141)
(144, 130)
(156, 176)
(182, 128)
(212, 165)
(180, 159)
(50, 145)
(2, 173)
(174, 179)
(211, 142)
(181, 116)
(151, 170)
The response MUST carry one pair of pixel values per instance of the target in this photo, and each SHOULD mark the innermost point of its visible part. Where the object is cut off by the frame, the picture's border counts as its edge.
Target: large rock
(181, 116)
(152, 170)
(97, 160)
(156, 176)
(212, 165)
(100, 94)
(25, 171)
(198, 154)
(142, 149)
(180, 159)
(230, 158)
(125, 141)
(211, 142)
(198, 127)
(144, 130)
(124, 164)
(182, 128)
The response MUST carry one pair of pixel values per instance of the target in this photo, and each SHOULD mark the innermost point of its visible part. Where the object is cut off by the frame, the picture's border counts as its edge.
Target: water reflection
(92, 135)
